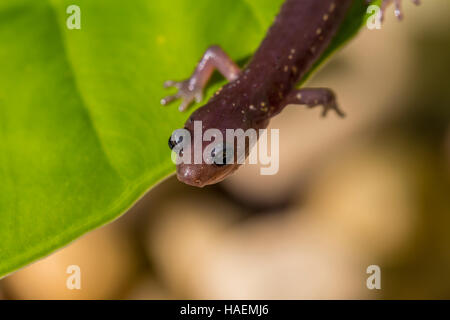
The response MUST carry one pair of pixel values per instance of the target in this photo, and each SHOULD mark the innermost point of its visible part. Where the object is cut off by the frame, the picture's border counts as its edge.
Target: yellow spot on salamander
(332, 7)
(325, 17)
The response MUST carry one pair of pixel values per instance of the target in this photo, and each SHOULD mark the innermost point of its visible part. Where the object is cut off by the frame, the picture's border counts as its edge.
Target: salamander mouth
(201, 175)
(194, 183)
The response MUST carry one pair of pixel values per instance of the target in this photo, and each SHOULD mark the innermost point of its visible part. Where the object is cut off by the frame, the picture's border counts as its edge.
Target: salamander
(298, 37)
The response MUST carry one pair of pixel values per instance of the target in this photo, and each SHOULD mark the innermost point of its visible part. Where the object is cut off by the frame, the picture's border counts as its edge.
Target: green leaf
(82, 134)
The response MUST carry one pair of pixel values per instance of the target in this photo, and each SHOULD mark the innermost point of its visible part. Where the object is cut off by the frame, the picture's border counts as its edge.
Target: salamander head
(217, 161)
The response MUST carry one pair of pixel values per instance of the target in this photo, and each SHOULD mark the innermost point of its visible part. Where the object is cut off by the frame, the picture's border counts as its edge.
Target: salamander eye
(222, 155)
(174, 140)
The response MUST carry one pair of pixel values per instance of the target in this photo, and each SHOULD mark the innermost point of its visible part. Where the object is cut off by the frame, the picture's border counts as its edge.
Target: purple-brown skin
(301, 32)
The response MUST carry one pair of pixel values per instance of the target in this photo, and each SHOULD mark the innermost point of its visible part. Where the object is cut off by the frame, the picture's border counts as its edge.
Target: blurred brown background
(371, 189)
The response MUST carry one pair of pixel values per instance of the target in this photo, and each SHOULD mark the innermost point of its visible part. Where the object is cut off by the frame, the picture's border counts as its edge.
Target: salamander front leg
(192, 88)
(313, 97)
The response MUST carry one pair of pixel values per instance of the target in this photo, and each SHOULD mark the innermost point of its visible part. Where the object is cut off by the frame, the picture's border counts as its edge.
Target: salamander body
(300, 34)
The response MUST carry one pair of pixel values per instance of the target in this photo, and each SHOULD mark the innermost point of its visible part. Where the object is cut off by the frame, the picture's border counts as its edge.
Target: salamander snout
(200, 175)
(191, 174)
